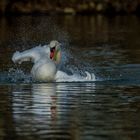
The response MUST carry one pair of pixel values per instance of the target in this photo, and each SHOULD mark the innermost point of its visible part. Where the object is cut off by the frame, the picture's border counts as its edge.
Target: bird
(45, 60)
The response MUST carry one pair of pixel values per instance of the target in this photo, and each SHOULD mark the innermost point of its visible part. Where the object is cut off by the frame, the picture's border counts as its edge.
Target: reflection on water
(69, 111)
(46, 110)
(40, 104)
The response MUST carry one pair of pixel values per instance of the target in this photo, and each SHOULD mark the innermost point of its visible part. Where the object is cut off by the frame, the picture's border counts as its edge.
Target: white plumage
(44, 69)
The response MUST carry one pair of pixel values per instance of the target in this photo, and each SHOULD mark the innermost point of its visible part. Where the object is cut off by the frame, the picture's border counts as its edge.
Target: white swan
(44, 58)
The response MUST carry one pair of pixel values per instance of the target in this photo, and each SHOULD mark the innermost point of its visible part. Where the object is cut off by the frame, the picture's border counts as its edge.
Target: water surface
(107, 108)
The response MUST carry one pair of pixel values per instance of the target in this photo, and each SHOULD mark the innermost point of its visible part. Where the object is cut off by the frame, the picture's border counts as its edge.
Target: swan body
(44, 69)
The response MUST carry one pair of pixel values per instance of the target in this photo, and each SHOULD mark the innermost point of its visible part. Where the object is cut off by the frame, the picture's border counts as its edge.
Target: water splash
(15, 76)
(119, 75)
(64, 77)
(73, 70)
(19, 76)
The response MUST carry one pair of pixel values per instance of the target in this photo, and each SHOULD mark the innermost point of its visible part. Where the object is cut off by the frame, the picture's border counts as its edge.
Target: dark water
(106, 109)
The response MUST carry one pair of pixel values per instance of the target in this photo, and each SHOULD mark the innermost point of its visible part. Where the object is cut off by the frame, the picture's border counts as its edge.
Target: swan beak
(51, 55)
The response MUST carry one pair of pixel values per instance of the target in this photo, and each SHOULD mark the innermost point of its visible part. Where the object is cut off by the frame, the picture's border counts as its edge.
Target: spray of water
(17, 75)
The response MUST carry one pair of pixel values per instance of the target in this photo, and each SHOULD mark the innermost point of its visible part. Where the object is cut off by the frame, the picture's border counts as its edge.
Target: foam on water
(18, 76)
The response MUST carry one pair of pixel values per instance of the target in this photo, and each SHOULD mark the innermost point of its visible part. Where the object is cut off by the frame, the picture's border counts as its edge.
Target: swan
(45, 59)
(45, 64)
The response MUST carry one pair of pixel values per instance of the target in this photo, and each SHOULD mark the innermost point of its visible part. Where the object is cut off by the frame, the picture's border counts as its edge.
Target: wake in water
(44, 68)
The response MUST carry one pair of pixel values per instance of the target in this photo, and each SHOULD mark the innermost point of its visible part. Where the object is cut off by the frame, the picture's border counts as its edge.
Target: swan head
(54, 50)
(54, 44)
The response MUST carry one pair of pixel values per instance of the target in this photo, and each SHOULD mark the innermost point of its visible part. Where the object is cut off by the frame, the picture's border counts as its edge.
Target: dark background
(70, 6)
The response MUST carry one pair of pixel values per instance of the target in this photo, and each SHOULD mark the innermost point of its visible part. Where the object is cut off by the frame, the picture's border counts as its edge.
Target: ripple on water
(71, 110)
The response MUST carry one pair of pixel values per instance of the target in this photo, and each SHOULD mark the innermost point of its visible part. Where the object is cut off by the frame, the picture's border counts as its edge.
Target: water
(107, 108)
